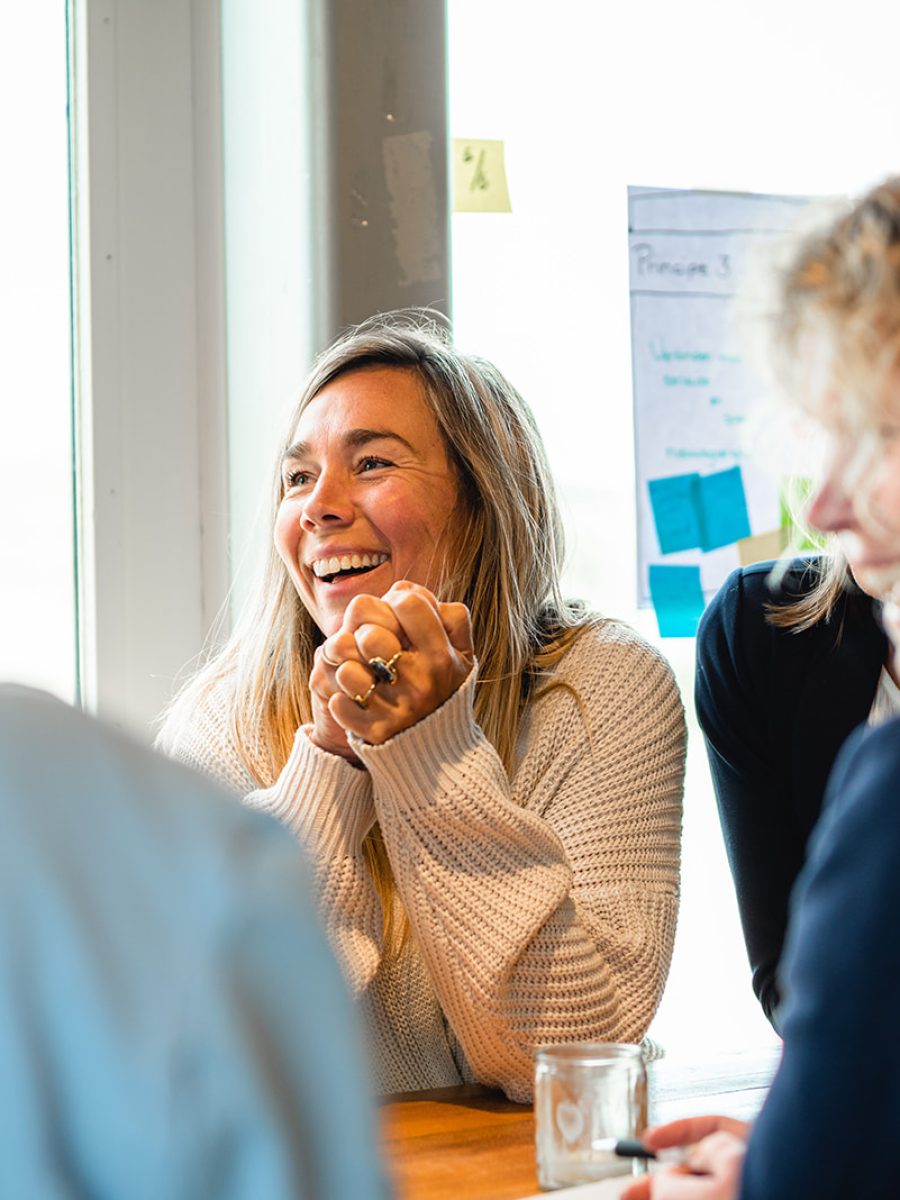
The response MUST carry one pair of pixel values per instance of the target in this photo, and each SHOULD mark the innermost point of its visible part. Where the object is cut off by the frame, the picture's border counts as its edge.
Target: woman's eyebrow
(362, 437)
(298, 450)
(354, 438)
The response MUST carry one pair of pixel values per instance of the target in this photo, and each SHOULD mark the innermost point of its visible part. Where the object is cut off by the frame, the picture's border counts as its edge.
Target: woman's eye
(370, 463)
(296, 479)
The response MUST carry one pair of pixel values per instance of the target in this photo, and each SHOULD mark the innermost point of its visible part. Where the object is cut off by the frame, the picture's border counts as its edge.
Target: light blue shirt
(172, 1024)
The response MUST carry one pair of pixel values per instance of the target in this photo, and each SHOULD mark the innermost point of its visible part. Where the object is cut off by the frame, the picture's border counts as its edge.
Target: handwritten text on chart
(705, 380)
(650, 264)
(661, 352)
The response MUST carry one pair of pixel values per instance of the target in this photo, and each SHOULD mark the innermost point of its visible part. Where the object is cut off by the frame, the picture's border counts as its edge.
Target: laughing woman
(487, 779)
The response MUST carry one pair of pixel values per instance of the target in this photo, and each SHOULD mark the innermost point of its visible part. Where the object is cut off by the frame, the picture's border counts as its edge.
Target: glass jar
(585, 1094)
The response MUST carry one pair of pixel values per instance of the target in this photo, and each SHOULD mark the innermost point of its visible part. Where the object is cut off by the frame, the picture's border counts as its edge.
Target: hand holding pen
(709, 1152)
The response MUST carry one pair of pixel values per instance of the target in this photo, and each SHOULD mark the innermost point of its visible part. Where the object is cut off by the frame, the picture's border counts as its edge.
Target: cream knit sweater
(542, 909)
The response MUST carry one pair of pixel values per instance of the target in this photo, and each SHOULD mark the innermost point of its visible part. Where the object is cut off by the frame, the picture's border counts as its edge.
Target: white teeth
(346, 562)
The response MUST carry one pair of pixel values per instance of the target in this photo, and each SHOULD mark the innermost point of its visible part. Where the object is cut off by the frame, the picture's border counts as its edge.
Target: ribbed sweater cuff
(409, 763)
(325, 802)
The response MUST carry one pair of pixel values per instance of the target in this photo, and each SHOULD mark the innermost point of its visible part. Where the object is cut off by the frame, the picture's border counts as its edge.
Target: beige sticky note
(479, 177)
(761, 547)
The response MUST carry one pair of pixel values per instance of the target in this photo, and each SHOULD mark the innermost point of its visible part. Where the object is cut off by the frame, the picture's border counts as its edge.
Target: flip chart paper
(678, 599)
(722, 508)
(479, 177)
(675, 512)
(697, 402)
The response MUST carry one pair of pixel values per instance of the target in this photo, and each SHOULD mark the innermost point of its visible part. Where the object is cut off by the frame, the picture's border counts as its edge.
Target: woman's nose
(329, 503)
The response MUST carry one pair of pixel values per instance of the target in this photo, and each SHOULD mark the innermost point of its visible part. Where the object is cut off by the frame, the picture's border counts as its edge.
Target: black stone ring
(385, 672)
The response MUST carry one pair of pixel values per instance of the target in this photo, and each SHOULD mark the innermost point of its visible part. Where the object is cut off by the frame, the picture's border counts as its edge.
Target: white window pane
(37, 577)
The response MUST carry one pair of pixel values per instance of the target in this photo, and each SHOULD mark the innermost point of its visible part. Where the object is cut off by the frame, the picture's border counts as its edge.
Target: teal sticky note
(674, 504)
(678, 599)
(721, 508)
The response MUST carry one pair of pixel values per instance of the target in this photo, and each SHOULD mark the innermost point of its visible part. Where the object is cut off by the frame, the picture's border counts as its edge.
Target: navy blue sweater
(831, 1124)
(775, 707)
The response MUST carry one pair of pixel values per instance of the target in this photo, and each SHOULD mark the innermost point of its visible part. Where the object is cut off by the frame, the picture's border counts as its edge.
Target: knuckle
(344, 674)
(356, 611)
(402, 597)
(368, 637)
(342, 647)
(413, 606)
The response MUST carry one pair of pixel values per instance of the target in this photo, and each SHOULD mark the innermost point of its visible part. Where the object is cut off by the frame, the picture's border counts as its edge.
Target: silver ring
(363, 700)
(385, 672)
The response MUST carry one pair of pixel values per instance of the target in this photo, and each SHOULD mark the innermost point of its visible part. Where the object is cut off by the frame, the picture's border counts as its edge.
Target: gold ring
(385, 672)
(363, 700)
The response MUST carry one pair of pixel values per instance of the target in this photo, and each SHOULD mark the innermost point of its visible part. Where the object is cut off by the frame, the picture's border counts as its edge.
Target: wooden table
(459, 1142)
(469, 1143)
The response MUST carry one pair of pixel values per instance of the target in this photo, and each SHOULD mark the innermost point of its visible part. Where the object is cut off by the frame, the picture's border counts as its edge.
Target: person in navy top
(829, 1126)
(788, 665)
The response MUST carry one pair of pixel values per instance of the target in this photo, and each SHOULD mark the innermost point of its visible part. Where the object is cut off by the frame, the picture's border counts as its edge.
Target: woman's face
(370, 495)
(859, 500)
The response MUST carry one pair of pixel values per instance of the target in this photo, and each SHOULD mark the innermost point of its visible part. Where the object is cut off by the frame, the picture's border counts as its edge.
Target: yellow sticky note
(761, 547)
(479, 177)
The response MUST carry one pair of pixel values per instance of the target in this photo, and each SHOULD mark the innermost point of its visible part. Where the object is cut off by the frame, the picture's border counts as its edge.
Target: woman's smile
(344, 574)
(342, 562)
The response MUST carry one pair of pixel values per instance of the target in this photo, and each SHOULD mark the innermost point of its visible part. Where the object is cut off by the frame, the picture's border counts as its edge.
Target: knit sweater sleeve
(328, 805)
(545, 908)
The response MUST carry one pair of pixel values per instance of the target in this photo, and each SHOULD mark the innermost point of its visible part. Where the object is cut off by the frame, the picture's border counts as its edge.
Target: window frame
(151, 436)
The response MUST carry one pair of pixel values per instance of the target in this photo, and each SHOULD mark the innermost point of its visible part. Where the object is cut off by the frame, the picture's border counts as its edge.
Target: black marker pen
(634, 1148)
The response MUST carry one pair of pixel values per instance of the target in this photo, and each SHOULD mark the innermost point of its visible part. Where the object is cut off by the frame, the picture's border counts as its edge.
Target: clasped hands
(427, 646)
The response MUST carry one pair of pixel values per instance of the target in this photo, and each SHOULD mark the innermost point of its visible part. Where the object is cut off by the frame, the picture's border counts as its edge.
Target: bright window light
(37, 577)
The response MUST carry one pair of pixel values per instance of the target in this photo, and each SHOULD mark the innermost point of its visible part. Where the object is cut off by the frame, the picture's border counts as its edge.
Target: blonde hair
(819, 603)
(508, 558)
(840, 312)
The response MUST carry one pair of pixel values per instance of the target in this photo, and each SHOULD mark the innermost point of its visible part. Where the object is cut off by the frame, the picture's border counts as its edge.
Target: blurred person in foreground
(829, 1126)
(172, 1023)
(486, 776)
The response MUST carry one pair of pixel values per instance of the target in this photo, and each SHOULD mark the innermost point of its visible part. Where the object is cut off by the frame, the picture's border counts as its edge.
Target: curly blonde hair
(839, 320)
